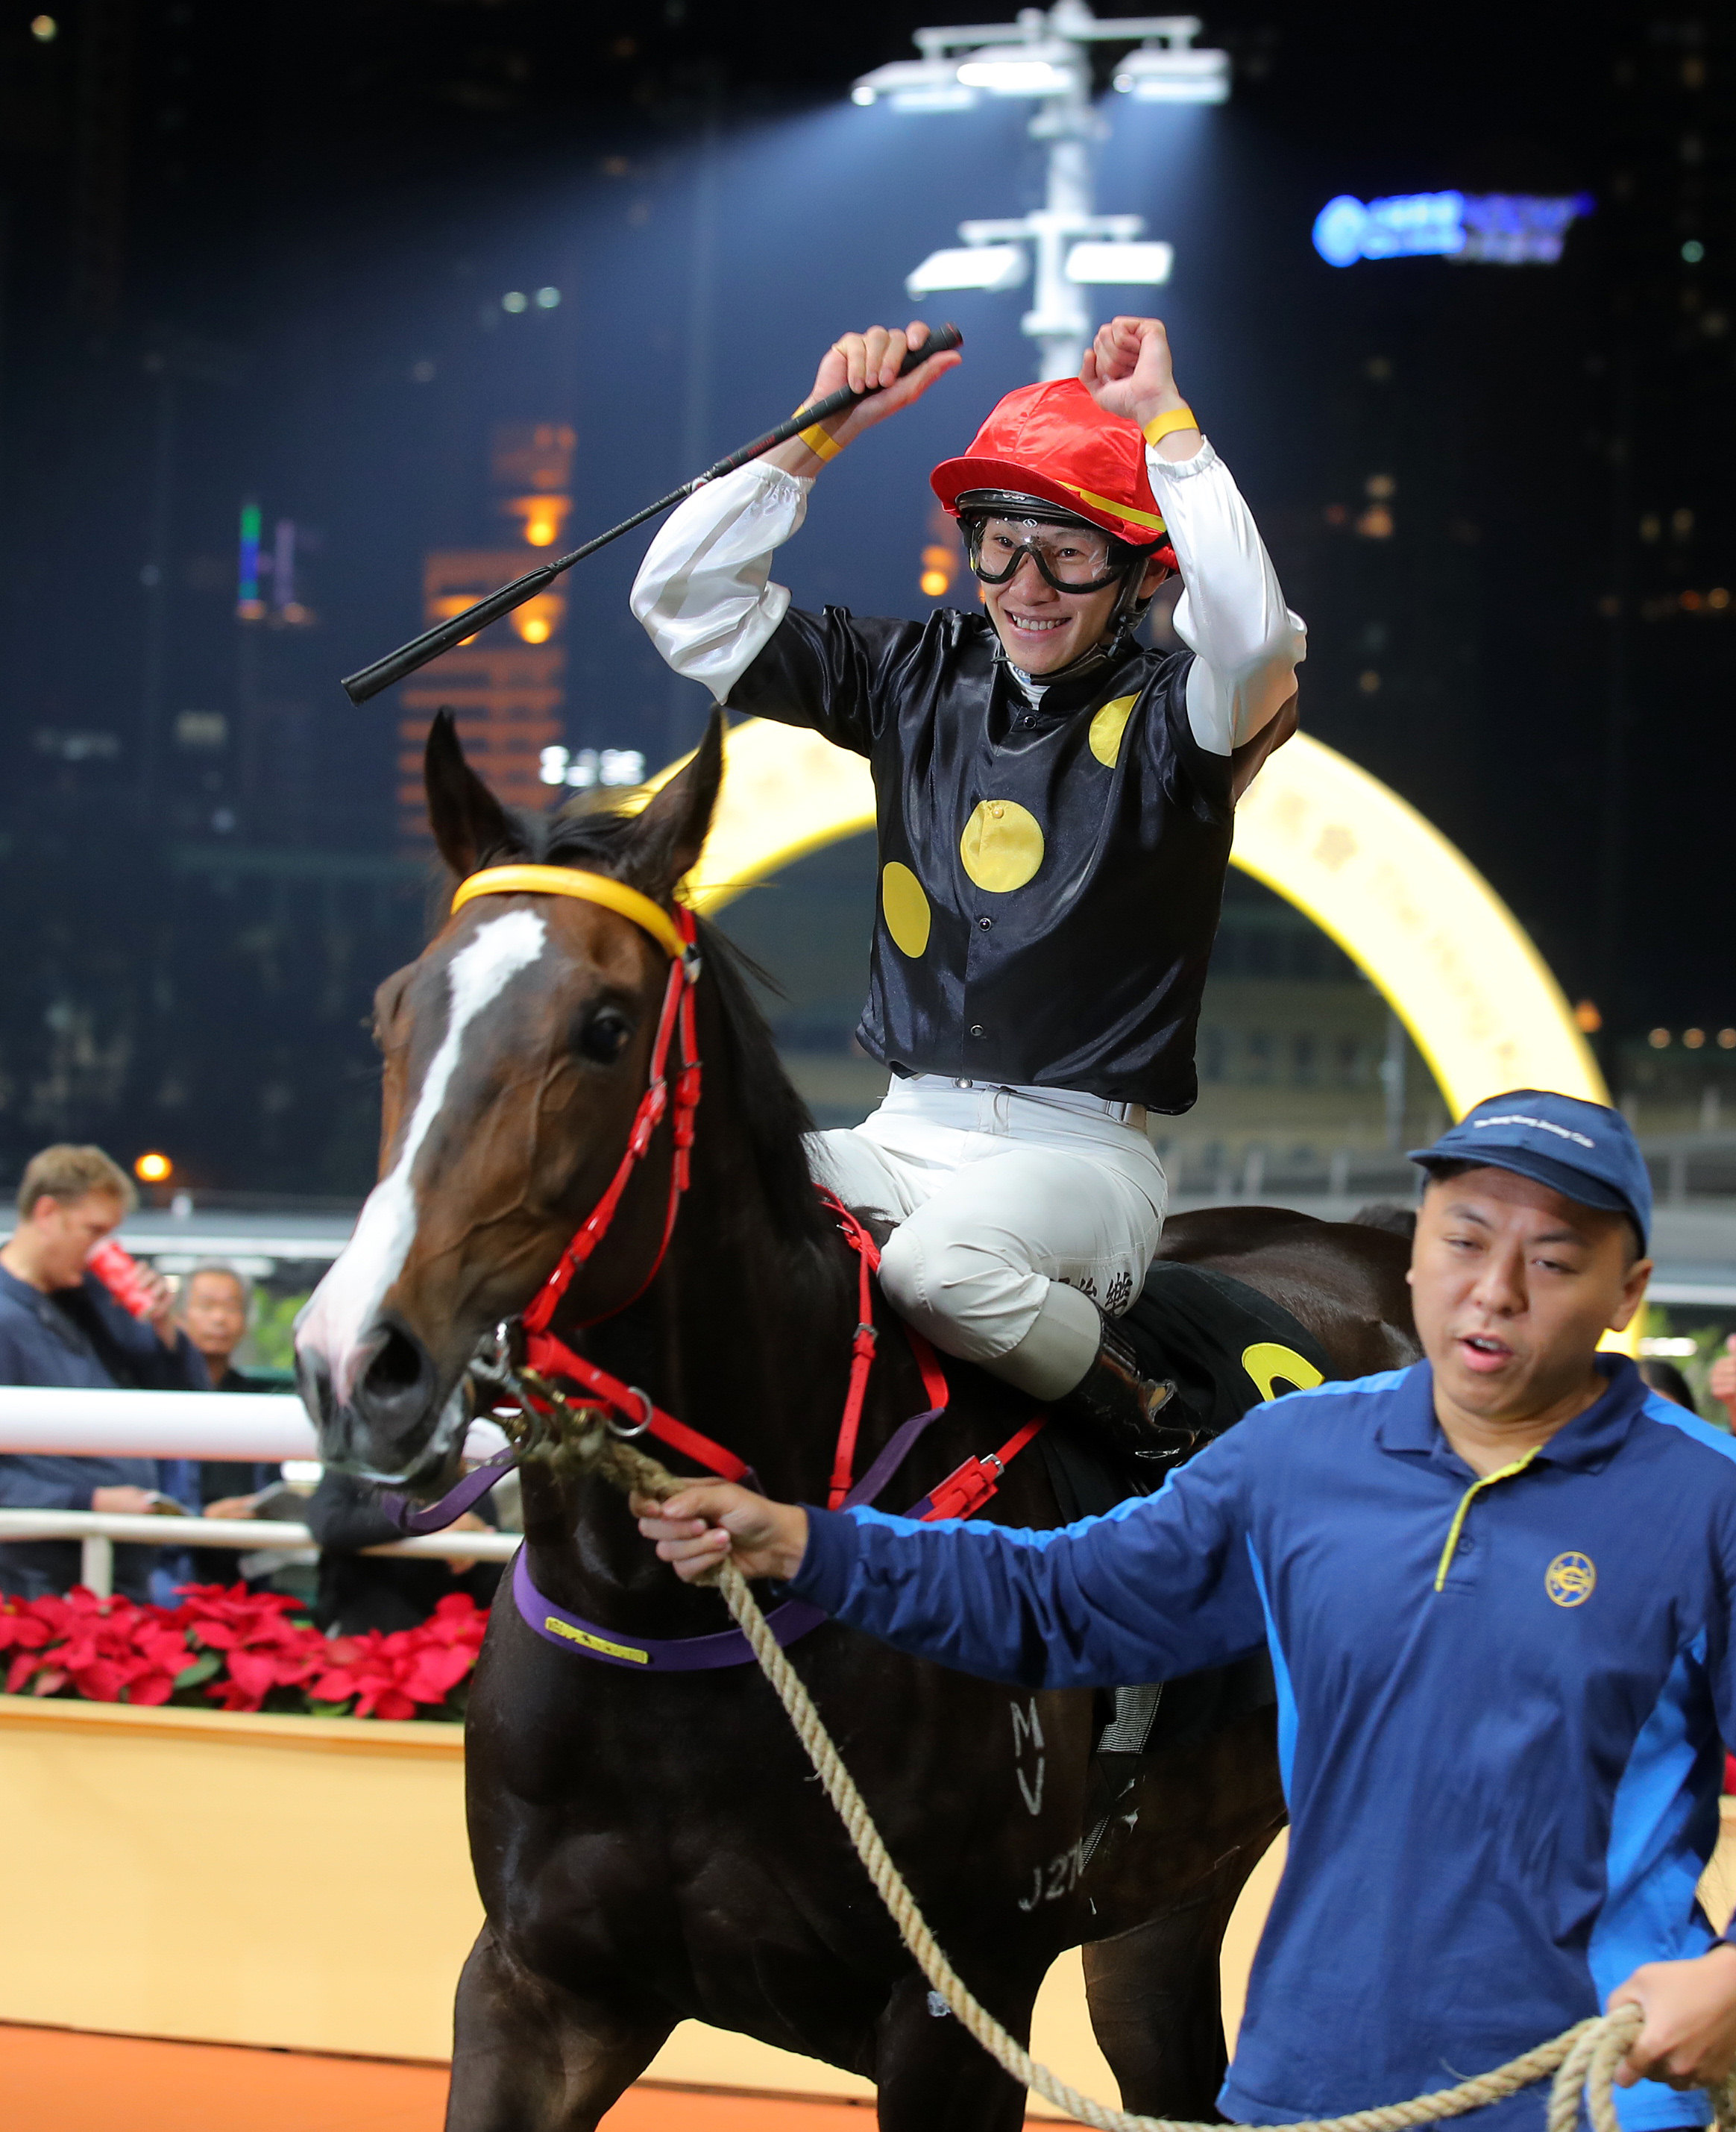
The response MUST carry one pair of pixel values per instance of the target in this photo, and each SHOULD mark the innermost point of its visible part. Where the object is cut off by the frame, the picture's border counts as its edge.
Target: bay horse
(650, 1846)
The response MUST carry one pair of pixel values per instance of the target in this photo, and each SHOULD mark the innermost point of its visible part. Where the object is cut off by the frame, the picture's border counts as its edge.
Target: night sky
(254, 253)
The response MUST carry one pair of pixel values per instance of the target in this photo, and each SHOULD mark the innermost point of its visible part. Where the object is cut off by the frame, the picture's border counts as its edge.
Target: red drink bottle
(122, 1275)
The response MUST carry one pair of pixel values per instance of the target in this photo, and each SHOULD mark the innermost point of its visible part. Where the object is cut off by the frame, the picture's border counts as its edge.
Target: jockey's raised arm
(705, 594)
(1055, 802)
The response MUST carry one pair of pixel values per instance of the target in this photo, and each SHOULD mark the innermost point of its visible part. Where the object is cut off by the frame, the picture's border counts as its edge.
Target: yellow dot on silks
(1107, 729)
(1002, 846)
(906, 908)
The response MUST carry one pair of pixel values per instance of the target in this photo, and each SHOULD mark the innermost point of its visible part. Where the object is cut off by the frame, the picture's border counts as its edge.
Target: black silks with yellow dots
(1051, 873)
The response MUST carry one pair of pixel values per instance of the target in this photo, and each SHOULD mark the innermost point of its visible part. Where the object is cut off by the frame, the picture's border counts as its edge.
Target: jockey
(1055, 804)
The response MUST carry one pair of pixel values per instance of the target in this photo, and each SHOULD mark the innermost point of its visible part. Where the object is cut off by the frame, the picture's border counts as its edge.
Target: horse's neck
(749, 1318)
(739, 1335)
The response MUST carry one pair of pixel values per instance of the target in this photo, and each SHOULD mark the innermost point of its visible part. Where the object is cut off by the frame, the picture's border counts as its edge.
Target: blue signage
(1502, 229)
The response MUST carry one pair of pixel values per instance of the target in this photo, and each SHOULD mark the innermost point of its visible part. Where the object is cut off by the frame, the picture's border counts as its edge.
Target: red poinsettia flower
(390, 1676)
(234, 1647)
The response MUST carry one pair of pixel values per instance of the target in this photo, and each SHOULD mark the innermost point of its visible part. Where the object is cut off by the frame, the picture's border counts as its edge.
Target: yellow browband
(586, 887)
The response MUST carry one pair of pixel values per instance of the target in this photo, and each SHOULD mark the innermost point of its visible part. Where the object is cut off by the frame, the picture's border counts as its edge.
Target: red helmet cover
(1055, 442)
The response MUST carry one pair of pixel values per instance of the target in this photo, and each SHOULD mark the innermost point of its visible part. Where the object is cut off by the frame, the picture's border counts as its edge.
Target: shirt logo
(1570, 1579)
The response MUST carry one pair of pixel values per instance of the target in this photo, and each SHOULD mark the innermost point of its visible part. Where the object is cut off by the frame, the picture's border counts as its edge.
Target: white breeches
(1000, 1195)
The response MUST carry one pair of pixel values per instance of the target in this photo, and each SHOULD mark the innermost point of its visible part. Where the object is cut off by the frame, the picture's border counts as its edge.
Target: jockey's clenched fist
(1127, 371)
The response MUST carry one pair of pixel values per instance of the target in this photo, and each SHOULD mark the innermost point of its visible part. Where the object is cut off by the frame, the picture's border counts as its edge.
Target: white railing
(123, 1424)
(98, 1530)
(263, 1427)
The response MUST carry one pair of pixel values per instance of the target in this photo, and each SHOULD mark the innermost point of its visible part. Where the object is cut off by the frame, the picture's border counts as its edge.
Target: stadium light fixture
(1147, 265)
(1164, 73)
(992, 266)
(1033, 72)
(925, 84)
(1066, 243)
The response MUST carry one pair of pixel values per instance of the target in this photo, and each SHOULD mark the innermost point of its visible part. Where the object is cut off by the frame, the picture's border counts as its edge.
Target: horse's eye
(604, 1037)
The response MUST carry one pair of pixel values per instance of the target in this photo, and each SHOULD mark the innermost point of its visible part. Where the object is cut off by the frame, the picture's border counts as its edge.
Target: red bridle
(632, 1411)
(681, 1102)
(546, 1354)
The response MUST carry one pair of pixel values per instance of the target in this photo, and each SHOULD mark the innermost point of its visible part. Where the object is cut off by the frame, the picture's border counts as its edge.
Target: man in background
(59, 1325)
(216, 1311)
(216, 1308)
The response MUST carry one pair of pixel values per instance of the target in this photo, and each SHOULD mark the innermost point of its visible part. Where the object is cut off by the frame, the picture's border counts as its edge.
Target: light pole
(1046, 57)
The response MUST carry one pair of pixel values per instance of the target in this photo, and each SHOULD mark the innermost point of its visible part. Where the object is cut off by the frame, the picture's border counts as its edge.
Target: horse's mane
(772, 1116)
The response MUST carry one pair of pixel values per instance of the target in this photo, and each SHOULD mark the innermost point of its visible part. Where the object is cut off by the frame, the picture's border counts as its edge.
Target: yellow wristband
(819, 444)
(1165, 425)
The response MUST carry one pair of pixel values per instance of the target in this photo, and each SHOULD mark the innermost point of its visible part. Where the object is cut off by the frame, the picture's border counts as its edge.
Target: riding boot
(1118, 1408)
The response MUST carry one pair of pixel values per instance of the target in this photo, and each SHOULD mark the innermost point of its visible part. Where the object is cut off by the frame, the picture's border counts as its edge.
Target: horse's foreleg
(530, 2056)
(1156, 2009)
(932, 2075)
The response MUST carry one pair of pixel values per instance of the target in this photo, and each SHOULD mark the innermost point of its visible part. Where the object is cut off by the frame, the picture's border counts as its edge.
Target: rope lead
(1582, 2058)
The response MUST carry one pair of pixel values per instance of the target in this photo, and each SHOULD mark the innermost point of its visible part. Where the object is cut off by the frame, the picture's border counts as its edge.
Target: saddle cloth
(1226, 1347)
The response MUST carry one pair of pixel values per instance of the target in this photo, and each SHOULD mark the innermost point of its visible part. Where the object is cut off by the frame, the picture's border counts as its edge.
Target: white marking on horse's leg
(346, 1302)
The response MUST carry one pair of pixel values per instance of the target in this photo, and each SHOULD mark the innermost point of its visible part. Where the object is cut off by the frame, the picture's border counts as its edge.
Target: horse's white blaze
(346, 1302)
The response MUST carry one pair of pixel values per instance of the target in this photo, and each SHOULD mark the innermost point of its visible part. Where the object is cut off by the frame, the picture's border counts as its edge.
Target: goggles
(1071, 557)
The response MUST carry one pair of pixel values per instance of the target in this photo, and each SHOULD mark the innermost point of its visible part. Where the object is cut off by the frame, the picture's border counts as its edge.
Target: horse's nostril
(397, 1382)
(399, 1366)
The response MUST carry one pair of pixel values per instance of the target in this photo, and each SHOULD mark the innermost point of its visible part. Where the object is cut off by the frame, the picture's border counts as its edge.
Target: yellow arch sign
(1405, 905)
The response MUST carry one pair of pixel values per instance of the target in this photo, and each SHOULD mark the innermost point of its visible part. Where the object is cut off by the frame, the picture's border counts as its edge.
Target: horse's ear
(468, 821)
(670, 834)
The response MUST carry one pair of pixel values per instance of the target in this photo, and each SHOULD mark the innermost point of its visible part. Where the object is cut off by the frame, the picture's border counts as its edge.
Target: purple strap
(729, 1647)
(454, 1504)
(554, 1625)
(904, 1442)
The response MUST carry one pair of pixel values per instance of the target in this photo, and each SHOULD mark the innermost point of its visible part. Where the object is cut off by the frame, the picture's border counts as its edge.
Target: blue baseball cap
(1585, 1151)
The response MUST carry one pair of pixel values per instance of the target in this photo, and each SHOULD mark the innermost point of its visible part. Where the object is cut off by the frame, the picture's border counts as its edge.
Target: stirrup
(1115, 1406)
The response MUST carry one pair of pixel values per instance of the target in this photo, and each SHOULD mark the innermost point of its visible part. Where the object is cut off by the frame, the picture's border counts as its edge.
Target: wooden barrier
(304, 1882)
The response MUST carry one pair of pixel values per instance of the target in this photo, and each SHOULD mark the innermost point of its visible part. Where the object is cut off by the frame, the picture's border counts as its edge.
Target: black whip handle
(397, 665)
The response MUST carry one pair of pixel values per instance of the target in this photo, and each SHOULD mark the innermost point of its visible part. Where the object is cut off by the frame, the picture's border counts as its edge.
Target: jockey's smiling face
(1041, 629)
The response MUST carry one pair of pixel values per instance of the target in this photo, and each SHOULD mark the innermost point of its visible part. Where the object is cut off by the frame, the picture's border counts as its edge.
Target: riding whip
(369, 680)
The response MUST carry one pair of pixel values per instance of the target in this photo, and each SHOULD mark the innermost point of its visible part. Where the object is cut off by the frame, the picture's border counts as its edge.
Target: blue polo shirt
(1501, 1705)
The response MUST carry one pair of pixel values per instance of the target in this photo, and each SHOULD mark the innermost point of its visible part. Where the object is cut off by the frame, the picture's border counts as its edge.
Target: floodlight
(1178, 74)
(1046, 56)
(991, 267)
(1147, 264)
(1031, 71)
(914, 85)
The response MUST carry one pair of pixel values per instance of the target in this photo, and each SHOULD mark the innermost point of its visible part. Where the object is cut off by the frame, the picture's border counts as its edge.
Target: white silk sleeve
(703, 591)
(1231, 613)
